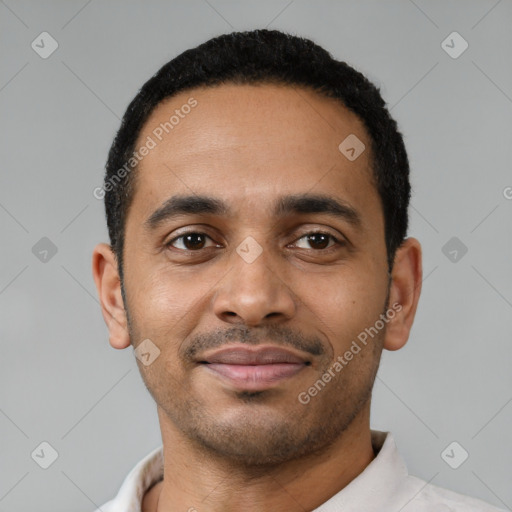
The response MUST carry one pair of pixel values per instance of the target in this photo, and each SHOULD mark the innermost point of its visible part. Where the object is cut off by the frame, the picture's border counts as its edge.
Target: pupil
(189, 241)
(323, 244)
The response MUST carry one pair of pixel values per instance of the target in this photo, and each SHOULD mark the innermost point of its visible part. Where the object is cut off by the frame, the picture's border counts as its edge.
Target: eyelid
(338, 241)
(316, 228)
(184, 234)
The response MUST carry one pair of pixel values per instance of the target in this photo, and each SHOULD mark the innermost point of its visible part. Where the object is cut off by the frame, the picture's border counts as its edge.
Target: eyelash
(337, 242)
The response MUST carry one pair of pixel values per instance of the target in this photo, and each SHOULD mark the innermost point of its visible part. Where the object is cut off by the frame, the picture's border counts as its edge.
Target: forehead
(249, 144)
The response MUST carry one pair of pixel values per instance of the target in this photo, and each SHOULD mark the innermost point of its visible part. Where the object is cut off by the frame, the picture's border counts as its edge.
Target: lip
(260, 355)
(254, 368)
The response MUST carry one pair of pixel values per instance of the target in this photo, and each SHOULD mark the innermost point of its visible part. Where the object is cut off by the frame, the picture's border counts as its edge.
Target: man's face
(255, 276)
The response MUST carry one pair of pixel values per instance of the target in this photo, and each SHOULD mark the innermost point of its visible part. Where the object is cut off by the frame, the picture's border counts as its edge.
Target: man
(256, 197)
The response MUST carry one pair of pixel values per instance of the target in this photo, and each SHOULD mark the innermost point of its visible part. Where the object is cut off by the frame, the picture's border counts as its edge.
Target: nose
(253, 292)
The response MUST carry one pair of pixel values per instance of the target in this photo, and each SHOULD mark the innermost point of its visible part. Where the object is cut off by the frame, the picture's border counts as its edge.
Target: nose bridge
(253, 289)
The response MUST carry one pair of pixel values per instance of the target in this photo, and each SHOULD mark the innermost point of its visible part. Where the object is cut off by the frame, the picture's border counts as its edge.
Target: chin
(260, 441)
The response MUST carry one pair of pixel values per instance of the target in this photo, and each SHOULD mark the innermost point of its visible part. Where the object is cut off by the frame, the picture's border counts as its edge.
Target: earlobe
(405, 289)
(108, 285)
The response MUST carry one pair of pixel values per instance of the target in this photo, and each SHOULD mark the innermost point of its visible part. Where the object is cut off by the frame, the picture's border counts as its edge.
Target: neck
(199, 481)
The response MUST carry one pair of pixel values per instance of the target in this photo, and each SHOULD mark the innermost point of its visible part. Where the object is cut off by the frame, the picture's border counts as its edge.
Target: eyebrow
(180, 205)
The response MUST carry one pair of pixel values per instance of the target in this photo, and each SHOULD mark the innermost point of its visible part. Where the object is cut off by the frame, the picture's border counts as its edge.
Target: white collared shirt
(384, 486)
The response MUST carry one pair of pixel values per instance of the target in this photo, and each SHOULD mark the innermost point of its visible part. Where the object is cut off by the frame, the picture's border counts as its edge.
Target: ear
(108, 284)
(405, 289)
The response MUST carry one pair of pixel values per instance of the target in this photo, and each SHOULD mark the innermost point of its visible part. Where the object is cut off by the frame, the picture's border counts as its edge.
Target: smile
(254, 368)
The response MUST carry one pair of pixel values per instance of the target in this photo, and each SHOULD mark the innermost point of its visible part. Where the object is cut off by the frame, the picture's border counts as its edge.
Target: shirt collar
(378, 482)
(147, 472)
(374, 486)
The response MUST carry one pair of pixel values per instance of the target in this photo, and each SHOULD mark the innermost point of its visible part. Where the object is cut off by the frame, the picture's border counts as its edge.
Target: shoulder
(432, 498)
(106, 507)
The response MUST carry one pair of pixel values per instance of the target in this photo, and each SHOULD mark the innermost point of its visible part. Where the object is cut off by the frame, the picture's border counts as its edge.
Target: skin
(226, 450)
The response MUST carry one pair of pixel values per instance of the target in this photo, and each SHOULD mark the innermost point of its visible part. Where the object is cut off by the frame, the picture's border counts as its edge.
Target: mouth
(254, 368)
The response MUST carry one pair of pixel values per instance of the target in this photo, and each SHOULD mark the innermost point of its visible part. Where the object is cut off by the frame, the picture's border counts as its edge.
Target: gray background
(61, 382)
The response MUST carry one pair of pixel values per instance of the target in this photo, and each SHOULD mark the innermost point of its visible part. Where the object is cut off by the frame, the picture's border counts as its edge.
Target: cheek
(162, 309)
(349, 302)
(167, 304)
(156, 302)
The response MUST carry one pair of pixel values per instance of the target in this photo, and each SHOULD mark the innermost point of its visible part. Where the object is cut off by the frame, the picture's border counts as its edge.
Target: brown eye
(319, 240)
(190, 241)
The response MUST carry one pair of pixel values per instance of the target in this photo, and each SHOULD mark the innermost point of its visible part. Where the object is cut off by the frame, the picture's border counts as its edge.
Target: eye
(195, 241)
(191, 241)
(319, 240)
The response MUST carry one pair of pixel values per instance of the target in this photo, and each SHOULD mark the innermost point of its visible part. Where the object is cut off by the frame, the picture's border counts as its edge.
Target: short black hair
(261, 57)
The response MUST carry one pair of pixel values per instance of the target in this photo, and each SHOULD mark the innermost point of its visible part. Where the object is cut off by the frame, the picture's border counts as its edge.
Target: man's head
(269, 209)
(259, 57)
